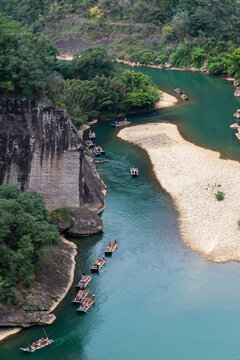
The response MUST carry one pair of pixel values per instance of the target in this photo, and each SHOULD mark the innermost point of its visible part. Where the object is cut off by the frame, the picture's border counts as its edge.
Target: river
(154, 297)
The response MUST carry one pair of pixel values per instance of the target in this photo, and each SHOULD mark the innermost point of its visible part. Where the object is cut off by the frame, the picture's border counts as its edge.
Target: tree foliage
(24, 229)
(26, 61)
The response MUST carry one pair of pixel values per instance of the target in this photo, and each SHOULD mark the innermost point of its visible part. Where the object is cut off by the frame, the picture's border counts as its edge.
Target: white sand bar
(166, 101)
(189, 173)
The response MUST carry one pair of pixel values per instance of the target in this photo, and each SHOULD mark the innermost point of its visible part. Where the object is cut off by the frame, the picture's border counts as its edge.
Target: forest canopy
(24, 229)
(91, 85)
(181, 32)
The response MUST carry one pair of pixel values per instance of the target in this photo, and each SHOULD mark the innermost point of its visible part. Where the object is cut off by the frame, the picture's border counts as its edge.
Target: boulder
(237, 92)
(86, 222)
(237, 114)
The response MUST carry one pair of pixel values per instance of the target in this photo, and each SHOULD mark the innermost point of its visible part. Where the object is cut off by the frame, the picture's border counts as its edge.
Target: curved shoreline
(191, 175)
(167, 100)
(166, 67)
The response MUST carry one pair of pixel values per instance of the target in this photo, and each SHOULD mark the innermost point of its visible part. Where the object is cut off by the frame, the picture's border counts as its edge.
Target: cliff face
(41, 150)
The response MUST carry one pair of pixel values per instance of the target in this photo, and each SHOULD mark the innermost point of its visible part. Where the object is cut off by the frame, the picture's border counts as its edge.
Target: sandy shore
(4, 333)
(191, 175)
(166, 66)
(166, 101)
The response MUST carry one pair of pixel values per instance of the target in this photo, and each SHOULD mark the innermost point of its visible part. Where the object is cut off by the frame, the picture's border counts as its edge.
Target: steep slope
(41, 150)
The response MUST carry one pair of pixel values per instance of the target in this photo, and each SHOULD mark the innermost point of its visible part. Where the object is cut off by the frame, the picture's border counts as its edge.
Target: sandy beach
(192, 176)
(166, 101)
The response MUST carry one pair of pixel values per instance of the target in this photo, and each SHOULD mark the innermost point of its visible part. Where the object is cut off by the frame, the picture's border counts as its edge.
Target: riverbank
(192, 176)
(166, 100)
(53, 281)
(166, 66)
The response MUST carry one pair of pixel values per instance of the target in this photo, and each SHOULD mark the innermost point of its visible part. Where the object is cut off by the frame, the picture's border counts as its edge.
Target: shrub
(219, 195)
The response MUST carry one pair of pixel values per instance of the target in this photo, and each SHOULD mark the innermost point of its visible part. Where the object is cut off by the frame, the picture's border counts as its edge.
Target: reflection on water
(154, 297)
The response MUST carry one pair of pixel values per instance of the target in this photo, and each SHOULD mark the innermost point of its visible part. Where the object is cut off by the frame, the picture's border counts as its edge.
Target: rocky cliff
(41, 150)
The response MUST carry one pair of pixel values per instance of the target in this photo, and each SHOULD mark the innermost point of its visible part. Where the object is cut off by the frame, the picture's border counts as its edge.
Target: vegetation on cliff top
(91, 85)
(98, 86)
(24, 229)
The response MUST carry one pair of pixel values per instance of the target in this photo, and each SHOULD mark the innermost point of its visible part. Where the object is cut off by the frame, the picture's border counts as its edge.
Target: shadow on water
(154, 297)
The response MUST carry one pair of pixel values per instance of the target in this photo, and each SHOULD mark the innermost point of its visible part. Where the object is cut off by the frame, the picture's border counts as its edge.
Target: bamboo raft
(86, 304)
(91, 134)
(89, 143)
(110, 249)
(120, 123)
(33, 348)
(98, 264)
(181, 94)
(134, 171)
(84, 281)
(81, 295)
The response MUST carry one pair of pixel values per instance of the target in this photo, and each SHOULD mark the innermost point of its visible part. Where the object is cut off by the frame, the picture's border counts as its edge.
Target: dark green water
(154, 297)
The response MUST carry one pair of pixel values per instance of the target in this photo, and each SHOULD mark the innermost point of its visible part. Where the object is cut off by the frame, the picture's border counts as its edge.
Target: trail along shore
(192, 176)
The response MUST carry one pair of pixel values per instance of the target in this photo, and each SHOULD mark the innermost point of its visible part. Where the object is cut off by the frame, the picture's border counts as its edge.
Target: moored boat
(89, 143)
(84, 281)
(134, 171)
(100, 149)
(98, 264)
(178, 90)
(86, 304)
(181, 93)
(121, 123)
(39, 344)
(111, 248)
(184, 96)
(92, 152)
(91, 134)
(81, 295)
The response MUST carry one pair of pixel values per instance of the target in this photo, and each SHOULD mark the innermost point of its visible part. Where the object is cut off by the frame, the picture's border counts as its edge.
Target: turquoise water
(154, 297)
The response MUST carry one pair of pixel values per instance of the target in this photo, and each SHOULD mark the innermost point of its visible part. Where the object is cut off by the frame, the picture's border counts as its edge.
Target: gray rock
(86, 223)
(41, 150)
(237, 92)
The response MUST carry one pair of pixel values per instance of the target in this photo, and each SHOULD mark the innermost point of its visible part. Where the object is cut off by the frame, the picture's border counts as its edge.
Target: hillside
(175, 31)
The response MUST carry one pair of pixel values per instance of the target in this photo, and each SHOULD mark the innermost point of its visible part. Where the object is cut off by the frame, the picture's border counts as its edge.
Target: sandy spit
(166, 101)
(191, 175)
(8, 332)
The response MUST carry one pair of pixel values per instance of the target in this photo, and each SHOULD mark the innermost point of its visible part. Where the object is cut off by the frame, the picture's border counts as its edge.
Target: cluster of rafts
(91, 148)
(84, 298)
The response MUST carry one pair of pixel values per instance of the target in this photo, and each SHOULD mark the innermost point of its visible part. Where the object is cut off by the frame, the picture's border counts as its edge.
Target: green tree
(24, 228)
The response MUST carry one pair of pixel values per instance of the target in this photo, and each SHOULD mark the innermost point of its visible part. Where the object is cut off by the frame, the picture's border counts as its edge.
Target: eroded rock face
(41, 150)
(85, 223)
(81, 222)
